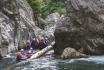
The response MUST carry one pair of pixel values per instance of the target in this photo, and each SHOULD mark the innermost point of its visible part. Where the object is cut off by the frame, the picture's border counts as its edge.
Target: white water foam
(96, 59)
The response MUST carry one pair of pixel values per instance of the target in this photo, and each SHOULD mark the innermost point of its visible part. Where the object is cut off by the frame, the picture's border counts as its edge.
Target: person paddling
(30, 52)
(20, 55)
(27, 46)
(41, 44)
(34, 43)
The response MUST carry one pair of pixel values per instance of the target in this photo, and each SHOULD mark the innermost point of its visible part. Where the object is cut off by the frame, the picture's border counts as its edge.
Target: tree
(53, 6)
(36, 5)
(46, 7)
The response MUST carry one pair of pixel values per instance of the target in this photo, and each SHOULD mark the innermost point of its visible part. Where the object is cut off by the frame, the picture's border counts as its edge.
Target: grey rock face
(16, 24)
(82, 28)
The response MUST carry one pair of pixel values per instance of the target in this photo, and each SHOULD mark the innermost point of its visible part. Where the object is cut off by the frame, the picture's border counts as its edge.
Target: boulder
(82, 28)
(71, 53)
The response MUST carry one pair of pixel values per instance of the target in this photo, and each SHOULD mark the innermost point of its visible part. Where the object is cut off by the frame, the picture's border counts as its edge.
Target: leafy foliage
(36, 4)
(45, 7)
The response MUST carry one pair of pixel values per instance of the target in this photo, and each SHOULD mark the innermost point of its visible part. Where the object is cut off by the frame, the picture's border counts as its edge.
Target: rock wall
(82, 28)
(16, 24)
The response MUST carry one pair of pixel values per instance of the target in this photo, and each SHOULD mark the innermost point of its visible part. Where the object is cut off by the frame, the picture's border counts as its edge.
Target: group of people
(27, 50)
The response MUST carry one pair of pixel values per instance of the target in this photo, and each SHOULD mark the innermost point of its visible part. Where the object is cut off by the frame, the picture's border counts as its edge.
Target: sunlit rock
(71, 53)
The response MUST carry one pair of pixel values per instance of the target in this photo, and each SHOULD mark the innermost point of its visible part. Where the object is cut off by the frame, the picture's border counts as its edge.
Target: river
(48, 62)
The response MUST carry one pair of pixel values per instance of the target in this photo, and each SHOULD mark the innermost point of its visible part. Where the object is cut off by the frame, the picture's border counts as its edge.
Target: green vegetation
(45, 7)
(36, 5)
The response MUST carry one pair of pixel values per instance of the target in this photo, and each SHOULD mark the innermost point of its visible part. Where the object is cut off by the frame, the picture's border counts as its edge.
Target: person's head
(28, 42)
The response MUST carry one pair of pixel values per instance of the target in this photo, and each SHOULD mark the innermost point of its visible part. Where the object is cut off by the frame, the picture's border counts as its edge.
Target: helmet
(22, 50)
(46, 38)
(42, 38)
(31, 48)
(33, 38)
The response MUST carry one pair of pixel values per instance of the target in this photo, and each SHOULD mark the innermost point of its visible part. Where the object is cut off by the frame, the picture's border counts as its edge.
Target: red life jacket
(19, 55)
(27, 46)
(29, 55)
(33, 43)
(41, 44)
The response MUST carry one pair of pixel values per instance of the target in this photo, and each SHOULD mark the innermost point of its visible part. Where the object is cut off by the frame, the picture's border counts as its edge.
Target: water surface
(48, 62)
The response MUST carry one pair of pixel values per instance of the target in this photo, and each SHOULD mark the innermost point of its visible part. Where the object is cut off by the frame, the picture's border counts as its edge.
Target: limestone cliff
(16, 24)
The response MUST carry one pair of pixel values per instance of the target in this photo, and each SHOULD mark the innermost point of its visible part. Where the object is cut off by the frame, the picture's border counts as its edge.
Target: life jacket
(22, 52)
(33, 44)
(19, 56)
(41, 44)
(27, 46)
(29, 54)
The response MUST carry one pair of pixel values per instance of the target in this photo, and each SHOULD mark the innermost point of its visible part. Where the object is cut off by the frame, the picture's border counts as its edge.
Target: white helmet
(33, 38)
(42, 38)
(31, 48)
(22, 50)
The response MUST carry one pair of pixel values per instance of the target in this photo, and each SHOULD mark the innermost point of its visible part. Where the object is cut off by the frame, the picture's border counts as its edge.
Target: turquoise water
(48, 62)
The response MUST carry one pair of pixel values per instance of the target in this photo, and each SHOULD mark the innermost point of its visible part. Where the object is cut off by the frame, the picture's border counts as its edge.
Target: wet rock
(82, 28)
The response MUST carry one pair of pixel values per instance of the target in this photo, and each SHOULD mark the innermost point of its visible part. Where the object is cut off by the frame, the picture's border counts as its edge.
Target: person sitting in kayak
(27, 45)
(30, 52)
(33, 43)
(20, 55)
(41, 44)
